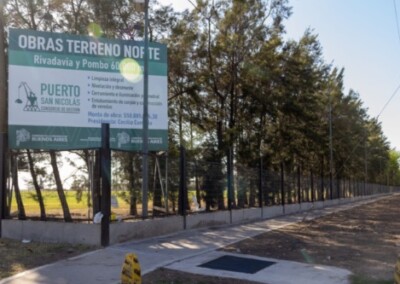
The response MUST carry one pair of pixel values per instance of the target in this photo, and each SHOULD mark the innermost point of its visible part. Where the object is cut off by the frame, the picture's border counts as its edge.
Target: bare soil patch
(364, 240)
(16, 256)
(168, 276)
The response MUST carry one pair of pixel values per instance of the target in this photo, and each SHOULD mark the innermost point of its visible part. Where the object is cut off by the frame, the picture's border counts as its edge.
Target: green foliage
(393, 167)
(235, 84)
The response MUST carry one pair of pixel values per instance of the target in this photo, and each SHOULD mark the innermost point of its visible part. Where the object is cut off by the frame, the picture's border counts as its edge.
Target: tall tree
(31, 14)
(36, 185)
(15, 180)
(59, 186)
(393, 168)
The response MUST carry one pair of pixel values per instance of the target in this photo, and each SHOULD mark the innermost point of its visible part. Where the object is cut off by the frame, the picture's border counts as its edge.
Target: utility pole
(145, 142)
(365, 160)
(330, 148)
(105, 184)
(3, 118)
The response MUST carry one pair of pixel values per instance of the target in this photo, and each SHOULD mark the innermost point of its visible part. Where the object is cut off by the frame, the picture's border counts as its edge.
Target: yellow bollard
(131, 273)
(397, 272)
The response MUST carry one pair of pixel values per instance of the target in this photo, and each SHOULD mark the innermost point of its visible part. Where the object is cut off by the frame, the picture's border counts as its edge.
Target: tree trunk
(36, 186)
(60, 190)
(18, 197)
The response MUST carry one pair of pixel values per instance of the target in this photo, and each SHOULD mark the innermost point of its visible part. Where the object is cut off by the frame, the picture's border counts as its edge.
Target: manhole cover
(237, 264)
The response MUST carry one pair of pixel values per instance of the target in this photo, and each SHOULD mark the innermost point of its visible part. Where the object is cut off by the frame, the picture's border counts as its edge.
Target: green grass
(52, 202)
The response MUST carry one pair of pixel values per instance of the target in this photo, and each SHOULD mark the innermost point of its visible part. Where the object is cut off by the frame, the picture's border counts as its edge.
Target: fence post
(282, 185)
(312, 186)
(322, 181)
(330, 185)
(182, 185)
(3, 119)
(260, 185)
(3, 177)
(105, 184)
(299, 195)
(230, 179)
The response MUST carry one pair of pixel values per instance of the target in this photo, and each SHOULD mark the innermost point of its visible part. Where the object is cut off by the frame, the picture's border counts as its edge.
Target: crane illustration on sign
(31, 103)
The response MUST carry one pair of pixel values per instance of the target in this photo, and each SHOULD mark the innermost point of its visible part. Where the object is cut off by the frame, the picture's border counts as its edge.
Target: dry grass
(17, 256)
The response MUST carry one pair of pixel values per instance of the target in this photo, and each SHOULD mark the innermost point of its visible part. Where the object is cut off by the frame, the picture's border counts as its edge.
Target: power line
(398, 87)
(397, 18)
(191, 2)
(398, 35)
(388, 102)
(363, 138)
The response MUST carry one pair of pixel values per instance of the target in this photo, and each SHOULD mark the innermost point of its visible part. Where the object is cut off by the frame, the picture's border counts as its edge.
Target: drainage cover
(237, 264)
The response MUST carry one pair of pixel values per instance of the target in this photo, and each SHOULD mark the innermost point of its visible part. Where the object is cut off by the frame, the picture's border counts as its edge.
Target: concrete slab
(292, 208)
(272, 212)
(318, 204)
(279, 273)
(202, 220)
(101, 266)
(52, 232)
(124, 231)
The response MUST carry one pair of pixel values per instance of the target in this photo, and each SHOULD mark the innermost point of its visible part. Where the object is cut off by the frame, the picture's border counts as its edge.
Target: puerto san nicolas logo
(55, 98)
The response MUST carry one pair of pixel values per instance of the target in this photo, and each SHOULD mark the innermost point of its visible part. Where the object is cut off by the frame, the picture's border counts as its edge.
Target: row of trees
(239, 92)
(236, 85)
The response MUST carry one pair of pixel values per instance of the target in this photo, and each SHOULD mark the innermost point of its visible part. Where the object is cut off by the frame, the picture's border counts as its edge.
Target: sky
(360, 36)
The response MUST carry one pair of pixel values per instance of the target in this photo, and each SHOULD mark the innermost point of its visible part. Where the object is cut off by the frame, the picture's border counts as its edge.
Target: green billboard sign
(63, 87)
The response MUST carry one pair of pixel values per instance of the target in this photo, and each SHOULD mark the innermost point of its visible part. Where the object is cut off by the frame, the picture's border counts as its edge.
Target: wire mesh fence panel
(272, 185)
(291, 190)
(194, 181)
(351, 190)
(345, 188)
(305, 188)
(246, 186)
(173, 174)
(359, 188)
(322, 189)
(308, 188)
(206, 185)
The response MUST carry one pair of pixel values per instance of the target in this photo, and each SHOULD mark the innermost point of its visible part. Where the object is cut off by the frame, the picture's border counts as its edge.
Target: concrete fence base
(60, 232)
(51, 232)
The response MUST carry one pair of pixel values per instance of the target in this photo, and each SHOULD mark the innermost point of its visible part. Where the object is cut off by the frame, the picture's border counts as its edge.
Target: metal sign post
(105, 184)
(145, 149)
(3, 120)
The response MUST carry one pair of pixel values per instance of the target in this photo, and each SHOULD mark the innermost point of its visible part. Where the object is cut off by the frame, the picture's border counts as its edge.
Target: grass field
(79, 207)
